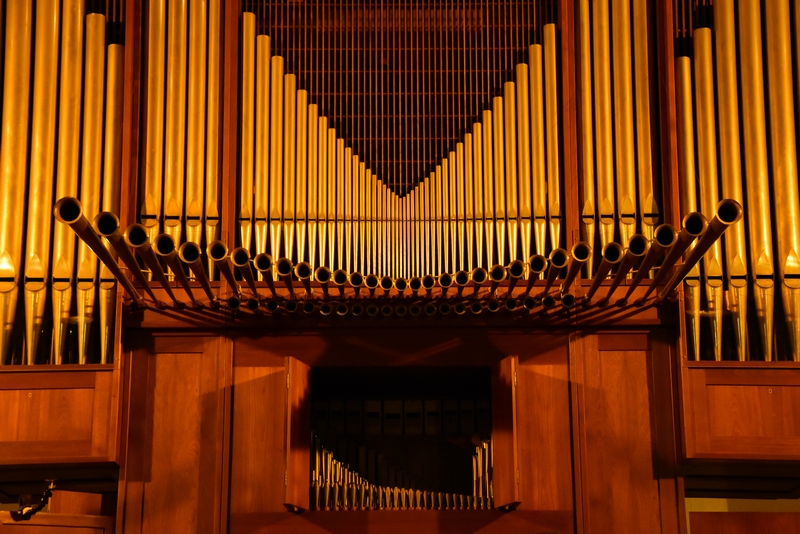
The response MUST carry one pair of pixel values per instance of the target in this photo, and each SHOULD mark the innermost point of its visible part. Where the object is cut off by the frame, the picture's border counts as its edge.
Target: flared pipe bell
(478, 277)
(68, 210)
(218, 252)
(637, 248)
(664, 238)
(428, 281)
(356, 281)
(386, 284)
(515, 270)
(189, 253)
(137, 237)
(461, 280)
(578, 256)
(241, 260)
(164, 245)
(372, 282)
(445, 282)
(340, 280)
(611, 255)
(285, 267)
(323, 276)
(497, 274)
(536, 266)
(415, 284)
(558, 260)
(303, 273)
(263, 264)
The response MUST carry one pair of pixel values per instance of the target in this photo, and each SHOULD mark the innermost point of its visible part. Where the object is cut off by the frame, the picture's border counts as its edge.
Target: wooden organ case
(402, 266)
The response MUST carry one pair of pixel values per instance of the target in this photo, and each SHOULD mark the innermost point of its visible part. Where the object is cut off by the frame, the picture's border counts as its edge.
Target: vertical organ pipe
(276, 157)
(469, 199)
(312, 188)
(154, 128)
(301, 173)
(587, 206)
(248, 113)
(551, 121)
(538, 172)
(604, 133)
(196, 121)
(488, 187)
(289, 161)
(211, 213)
(512, 199)
(524, 154)
(477, 173)
(262, 142)
(322, 189)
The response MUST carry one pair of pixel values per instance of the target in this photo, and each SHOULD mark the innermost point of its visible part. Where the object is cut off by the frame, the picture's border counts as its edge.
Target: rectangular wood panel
(44, 523)
(744, 522)
(505, 474)
(298, 435)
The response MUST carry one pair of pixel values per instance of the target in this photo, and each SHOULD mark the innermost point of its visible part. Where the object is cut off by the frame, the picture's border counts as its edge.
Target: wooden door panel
(505, 474)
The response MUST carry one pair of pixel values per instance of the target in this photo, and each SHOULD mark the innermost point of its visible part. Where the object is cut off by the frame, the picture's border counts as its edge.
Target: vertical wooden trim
(667, 114)
(577, 350)
(225, 348)
(569, 99)
(298, 435)
(505, 465)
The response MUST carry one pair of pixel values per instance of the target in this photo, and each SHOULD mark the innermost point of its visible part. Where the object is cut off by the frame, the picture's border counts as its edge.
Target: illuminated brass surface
(313, 184)
(213, 112)
(261, 148)
(585, 130)
(196, 120)
(301, 170)
(469, 207)
(551, 75)
(289, 162)
(603, 123)
(538, 164)
(512, 199)
(477, 174)
(154, 122)
(276, 156)
(488, 187)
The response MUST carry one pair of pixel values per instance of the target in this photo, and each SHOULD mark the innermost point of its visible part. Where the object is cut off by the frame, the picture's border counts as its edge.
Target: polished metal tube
(479, 275)
(213, 113)
(400, 285)
(461, 279)
(261, 145)
(551, 77)
(641, 77)
(538, 158)
(497, 274)
(611, 256)
(603, 121)
(276, 157)
(558, 260)
(241, 260)
(289, 162)
(340, 280)
(372, 282)
(248, 129)
(189, 253)
(152, 210)
(664, 238)
(196, 120)
(578, 256)
(356, 281)
(637, 248)
(263, 264)
(303, 273)
(136, 237)
(524, 153)
(586, 127)
(107, 225)
(386, 284)
(445, 282)
(218, 252)
(536, 266)
(323, 276)
(164, 245)
(428, 281)
(415, 284)
(516, 270)
(284, 268)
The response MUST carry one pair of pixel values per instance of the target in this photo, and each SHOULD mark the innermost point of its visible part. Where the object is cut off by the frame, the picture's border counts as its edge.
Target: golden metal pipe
(499, 177)
(368, 221)
(276, 156)
(107, 225)
(664, 239)
(512, 200)
(262, 142)
(340, 279)
(580, 254)
(152, 213)
(603, 123)
(263, 264)
(551, 74)
(164, 246)
(477, 169)
(356, 280)
(386, 284)
(586, 133)
(136, 237)
(301, 168)
(341, 164)
(445, 282)
(284, 268)
(189, 253)
(428, 281)
(536, 266)
(488, 186)
(612, 255)
(218, 252)
(323, 276)
(213, 111)
(332, 188)
(69, 128)
(460, 206)
(362, 217)
(461, 280)
(524, 154)
(469, 198)
(322, 188)
(479, 275)
(289, 162)
(348, 207)
(241, 260)
(248, 127)
(730, 167)
(303, 273)
(40, 195)
(516, 270)
(195, 121)
(558, 260)
(441, 252)
(784, 162)
(759, 225)
(538, 159)
(372, 282)
(357, 199)
(729, 212)
(453, 211)
(312, 181)
(637, 247)
(68, 210)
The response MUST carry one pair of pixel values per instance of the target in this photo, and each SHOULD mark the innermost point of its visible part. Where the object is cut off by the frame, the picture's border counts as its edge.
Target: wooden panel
(75, 502)
(543, 427)
(298, 435)
(57, 524)
(742, 412)
(505, 471)
(744, 522)
(257, 440)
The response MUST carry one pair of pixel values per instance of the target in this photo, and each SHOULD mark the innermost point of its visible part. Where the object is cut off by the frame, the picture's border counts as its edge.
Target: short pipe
(303, 272)
(387, 284)
(218, 252)
(340, 280)
(578, 256)
(611, 255)
(445, 282)
(558, 260)
(284, 267)
(323, 276)
(664, 238)
(107, 225)
(190, 254)
(536, 266)
(515, 270)
(637, 248)
(497, 274)
(478, 277)
(164, 245)
(136, 236)
(241, 260)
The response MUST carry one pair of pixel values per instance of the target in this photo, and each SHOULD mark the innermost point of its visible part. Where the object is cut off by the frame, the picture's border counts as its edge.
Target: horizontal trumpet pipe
(323, 276)
(340, 280)
(497, 274)
(428, 281)
(578, 256)
(400, 285)
(729, 212)
(189, 253)
(478, 277)
(218, 252)
(164, 245)
(637, 247)
(285, 267)
(386, 284)
(372, 282)
(461, 280)
(536, 266)
(107, 225)
(263, 264)
(445, 282)
(241, 260)
(303, 273)
(136, 236)
(558, 260)
(68, 210)
(516, 270)
(664, 238)
(612, 254)
(415, 284)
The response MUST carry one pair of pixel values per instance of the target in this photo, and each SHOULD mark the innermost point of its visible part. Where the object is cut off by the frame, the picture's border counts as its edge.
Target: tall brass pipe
(322, 189)
(637, 247)
(477, 174)
(248, 127)
(348, 208)
(151, 214)
(469, 198)
(498, 134)
(196, 120)
(437, 212)
(362, 216)
(460, 206)
(339, 201)
(536, 265)
(551, 73)
(164, 246)
(488, 187)
(603, 124)
(784, 162)
(276, 156)
(189, 254)
(213, 111)
(263, 264)
(369, 220)
(68, 210)
(664, 238)
(42, 163)
(261, 148)
(289, 162)
(578, 256)
(512, 199)
(558, 260)
(729, 212)
(241, 260)
(69, 128)
(332, 188)
(218, 252)
(136, 237)
(107, 225)
(586, 133)
(612, 255)
(730, 167)
(538, 159)
(524, 153)
(759, 225)
(312, 187)
(453, 211)
(91, 168)
(175, 142)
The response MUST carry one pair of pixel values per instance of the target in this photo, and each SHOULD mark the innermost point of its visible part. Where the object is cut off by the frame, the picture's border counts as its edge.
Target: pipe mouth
(284, 267)
(537, 263)
(340, 277)
(401, 284)
(414, 310)
(666, 235)
(322, 275)
(271, 305)
(233, 303)
(325, 308)
(476, 307)
(263, 262)
(479, 275)
(459, 308)
(217, 250)
(309, 307)
(512, 304)
(498, 273)
(415, 284)
(493, 305)
(445, 308)
(164, 244)
(252, 304)
(189, 252)
(106, 223)
(290, 306)
(371, 281)
(302, 270)
(430, 309)
(516, 269)
(548, 302)
(558, 258)
(400, 310)
(373, 310)
(386, 283)
(428, 281)
(445, 280)
(136, 235)
(695, 223)
(568, 300)
(581, 251)
(462, 278)
(387, 310)
(240, 257)
(729, 211)
(68, 210)
(356, 280)
(612, 252)
(529, 303)
(637, 245)
(357, 310)
(342, 309)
